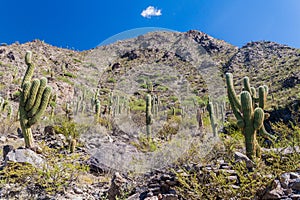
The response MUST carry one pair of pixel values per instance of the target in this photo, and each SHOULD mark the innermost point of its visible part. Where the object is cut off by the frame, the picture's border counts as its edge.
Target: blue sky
(84, 24)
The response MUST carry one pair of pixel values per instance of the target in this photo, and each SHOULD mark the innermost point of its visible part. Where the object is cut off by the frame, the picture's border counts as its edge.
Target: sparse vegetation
(85, 116)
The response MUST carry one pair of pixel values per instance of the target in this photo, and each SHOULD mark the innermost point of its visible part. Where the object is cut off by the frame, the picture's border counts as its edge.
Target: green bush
(58, 173)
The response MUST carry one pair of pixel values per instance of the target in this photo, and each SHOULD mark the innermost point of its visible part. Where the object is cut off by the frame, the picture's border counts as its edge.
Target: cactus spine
(148, 115)
(34, 99)
(250, 119)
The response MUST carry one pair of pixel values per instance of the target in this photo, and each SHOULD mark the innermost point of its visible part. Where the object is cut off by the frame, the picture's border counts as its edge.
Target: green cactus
(9, 111)
(148, 115)
(199, 118)
(1, 104)
(83, 107)
(68, 111)
(5, 105)
(216, 111)
(97, 110)
(53, 106)
(95, 97)
(34, 99)
(116, 105)
(154, 107)
(214, 125)
(73, 143)
(250, 119)
(222, 112)
(149, 87)
(78, 104)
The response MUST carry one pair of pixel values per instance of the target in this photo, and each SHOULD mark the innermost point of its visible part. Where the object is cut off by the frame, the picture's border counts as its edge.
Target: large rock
(24, 156)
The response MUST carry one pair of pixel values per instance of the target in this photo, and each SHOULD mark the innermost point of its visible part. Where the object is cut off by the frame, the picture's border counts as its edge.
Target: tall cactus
(34, 99)
(97, 110)
(212, 118)
(249, 116)
(148, 115)
(199, 119)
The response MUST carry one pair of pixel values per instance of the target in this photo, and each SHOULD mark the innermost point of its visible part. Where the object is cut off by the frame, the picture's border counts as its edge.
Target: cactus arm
(253, 92)
(33, 93)
(25, 93)
(30, 68)
(236, 112)
(234, 101)
(262, 93)
(266, 89)
(247, 85)
(42, 107)
(43, 84)
(258, 118)
(265, 134)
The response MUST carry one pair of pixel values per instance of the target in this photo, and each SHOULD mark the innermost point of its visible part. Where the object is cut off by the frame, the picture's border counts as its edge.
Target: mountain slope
(69, 72)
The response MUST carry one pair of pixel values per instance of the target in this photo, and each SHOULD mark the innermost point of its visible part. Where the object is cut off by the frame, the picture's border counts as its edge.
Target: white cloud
(150, 12)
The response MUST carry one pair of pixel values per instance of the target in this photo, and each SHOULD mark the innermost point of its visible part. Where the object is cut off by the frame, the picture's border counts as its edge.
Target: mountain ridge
(254, 59)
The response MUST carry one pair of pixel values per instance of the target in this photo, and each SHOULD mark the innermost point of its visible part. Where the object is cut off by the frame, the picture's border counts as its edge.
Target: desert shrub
(137, 105)
(57, 173)
(206, 184)
(70, 74)
(69, 128)
(288, 134)
(170, 127)
(145, 144)
(216, 184)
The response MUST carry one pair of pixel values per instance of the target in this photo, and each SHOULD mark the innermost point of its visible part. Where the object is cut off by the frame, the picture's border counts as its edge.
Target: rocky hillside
(274, 64)
(270, 63)
(181, 71)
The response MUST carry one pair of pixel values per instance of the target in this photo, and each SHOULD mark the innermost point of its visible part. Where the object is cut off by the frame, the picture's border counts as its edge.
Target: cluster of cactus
(119, 105)
(219, 109)
(249, 112)
(80, 103)
(34, 99)
(216, 112)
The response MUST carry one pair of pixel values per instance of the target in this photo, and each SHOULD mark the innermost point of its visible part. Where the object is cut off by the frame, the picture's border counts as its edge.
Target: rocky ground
(157, 184)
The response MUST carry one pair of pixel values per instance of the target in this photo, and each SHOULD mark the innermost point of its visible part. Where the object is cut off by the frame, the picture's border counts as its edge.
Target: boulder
(24, 156)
